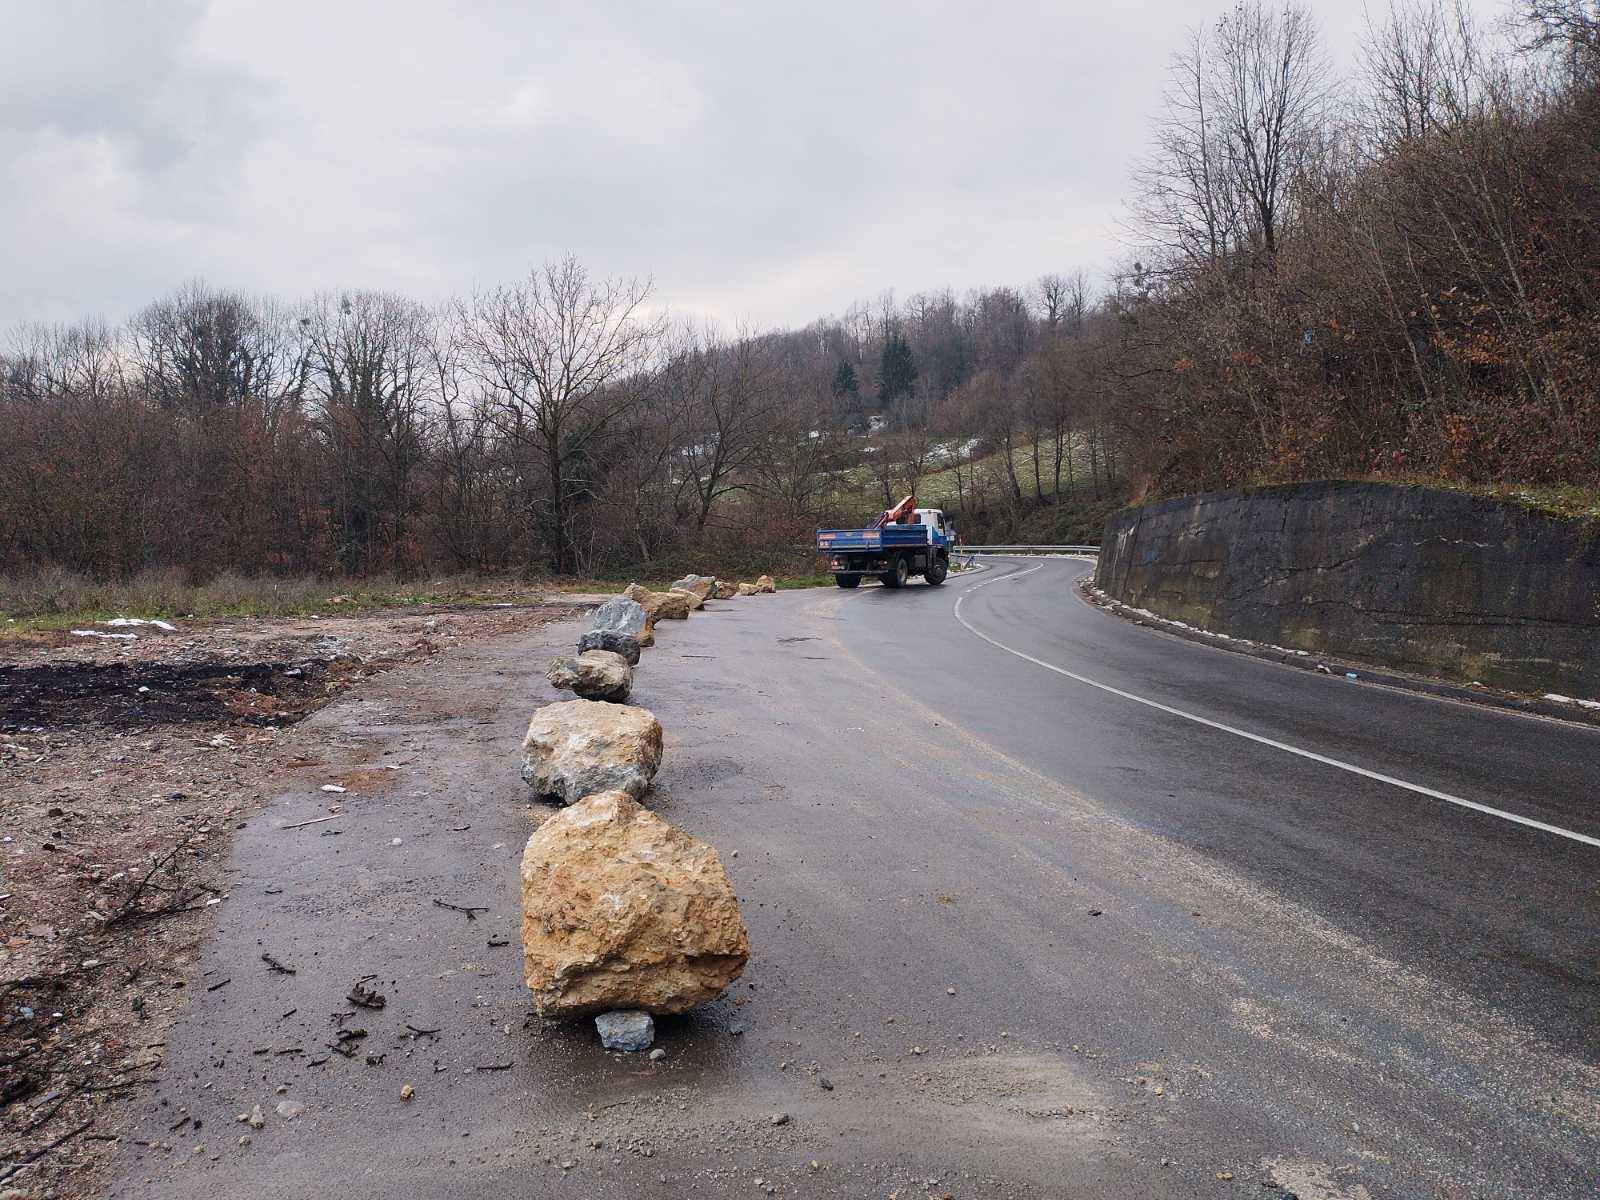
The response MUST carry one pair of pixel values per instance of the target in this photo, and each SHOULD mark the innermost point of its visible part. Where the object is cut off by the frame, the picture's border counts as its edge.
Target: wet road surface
(1013, 934)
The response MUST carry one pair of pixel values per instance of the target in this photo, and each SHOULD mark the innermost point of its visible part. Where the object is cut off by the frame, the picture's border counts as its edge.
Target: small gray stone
(625, 644)
(657, 1054)
(625, 1030)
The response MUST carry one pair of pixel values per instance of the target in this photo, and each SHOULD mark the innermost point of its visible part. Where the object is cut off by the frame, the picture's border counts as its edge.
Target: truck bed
(837, 541)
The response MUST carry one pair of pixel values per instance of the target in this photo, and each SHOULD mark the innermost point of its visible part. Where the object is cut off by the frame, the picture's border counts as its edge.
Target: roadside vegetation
(1388, 276)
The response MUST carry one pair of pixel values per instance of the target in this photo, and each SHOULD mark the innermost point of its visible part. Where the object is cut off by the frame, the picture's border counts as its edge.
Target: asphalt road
(1014, 934)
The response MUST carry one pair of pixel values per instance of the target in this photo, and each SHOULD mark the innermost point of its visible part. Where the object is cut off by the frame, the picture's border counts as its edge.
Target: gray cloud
(761, 162)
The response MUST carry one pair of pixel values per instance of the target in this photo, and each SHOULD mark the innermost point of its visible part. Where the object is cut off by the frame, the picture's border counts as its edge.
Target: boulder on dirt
(621, 910)
(578, 747)
(627, 1031)
(659, 606)
(594, 675)
(624, 644)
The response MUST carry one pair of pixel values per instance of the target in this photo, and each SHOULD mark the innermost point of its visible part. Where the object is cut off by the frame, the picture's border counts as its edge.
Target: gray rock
(621, 615)
(624, 644)
(593, 675)
(626, 1030)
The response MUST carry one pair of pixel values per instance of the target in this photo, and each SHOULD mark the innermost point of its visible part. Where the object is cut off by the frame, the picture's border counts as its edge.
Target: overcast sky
(762, 162)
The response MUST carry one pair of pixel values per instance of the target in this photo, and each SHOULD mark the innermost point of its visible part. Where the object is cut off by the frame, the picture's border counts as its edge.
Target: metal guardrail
(1030, 550)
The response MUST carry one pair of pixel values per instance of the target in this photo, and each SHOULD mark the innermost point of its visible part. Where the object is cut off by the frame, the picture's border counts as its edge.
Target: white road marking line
(1418, 788)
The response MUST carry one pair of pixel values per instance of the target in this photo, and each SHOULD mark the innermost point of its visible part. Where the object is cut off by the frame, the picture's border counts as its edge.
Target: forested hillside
(1391, 274)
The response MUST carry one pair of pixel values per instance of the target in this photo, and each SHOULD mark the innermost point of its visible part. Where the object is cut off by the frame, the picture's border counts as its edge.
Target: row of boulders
(625, 624)
(623, 914)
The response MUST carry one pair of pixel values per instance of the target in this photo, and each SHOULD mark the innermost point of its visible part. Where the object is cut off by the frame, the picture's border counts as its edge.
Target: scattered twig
(416, 1033)
(471, 910)
(129, 909)
(313, 821)
(56, 980)
(219, 986)
(505, 1066)
(275, 966)
(366, 997)
(34, 1156)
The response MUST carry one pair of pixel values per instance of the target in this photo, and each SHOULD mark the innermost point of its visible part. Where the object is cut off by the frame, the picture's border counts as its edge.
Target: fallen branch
(28, 1160)
(275, 966)
(313, 821)
(57, 980)
(471, 910)
(129, 909)
(138, 888)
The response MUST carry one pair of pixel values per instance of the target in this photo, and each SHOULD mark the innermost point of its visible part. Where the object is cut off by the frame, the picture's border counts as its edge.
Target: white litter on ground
(98, 633)
(332, 787)
(170, 628)
(1558, 698)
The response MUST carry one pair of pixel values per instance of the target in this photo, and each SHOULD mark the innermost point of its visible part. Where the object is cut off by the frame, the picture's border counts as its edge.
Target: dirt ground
(127, 758)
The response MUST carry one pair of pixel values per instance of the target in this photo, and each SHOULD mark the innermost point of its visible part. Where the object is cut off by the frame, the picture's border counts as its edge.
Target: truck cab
(905, 541)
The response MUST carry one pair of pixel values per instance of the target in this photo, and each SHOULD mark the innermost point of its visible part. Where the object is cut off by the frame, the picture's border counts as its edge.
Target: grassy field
(858, 487)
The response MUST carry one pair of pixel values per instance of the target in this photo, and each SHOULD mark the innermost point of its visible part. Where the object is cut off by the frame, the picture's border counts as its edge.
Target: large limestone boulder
(594, 675)
(725, 590)
(748, 589)
(660, 606)
(766, 584)
(624, 645)
(695, 601)
(579, 747)
(703, 587)
(621, 910)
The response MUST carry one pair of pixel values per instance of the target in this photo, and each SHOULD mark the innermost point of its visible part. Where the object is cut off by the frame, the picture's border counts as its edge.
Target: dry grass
(52, 598)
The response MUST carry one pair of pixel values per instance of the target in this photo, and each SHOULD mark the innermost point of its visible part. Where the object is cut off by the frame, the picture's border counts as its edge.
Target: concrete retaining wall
(1408, 577)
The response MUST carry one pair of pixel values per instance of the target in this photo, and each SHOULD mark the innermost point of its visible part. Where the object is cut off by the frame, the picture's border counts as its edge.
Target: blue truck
(905, 541)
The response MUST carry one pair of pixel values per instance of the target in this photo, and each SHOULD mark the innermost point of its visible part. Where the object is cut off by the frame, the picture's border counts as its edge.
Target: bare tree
(722, 396)
(1421, 72)
(1242, 105)
(1272, 95)
(373, 370)
(562, 354)
(204, 351)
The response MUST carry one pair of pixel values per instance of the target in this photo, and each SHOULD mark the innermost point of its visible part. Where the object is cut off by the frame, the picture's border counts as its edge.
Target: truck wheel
(937, 570)
(847, 581)
(897, 575)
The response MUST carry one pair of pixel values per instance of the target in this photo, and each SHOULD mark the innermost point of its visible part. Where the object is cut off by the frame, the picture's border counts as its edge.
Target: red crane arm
(897, 513)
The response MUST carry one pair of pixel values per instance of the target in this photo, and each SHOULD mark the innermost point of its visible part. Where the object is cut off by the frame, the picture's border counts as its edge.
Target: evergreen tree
(845, 386)
(897, 375)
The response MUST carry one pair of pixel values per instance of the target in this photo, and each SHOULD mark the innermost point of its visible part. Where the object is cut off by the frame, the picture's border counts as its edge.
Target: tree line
(1393, 274)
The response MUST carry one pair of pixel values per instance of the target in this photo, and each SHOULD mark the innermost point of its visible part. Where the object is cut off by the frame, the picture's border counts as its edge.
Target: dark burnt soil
(143, 694)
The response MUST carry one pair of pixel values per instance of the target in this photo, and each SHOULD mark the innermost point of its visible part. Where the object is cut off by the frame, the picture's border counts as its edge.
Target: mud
(138, 695)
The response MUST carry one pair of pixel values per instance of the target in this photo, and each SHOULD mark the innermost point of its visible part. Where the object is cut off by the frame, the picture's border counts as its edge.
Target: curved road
(1019, 928)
